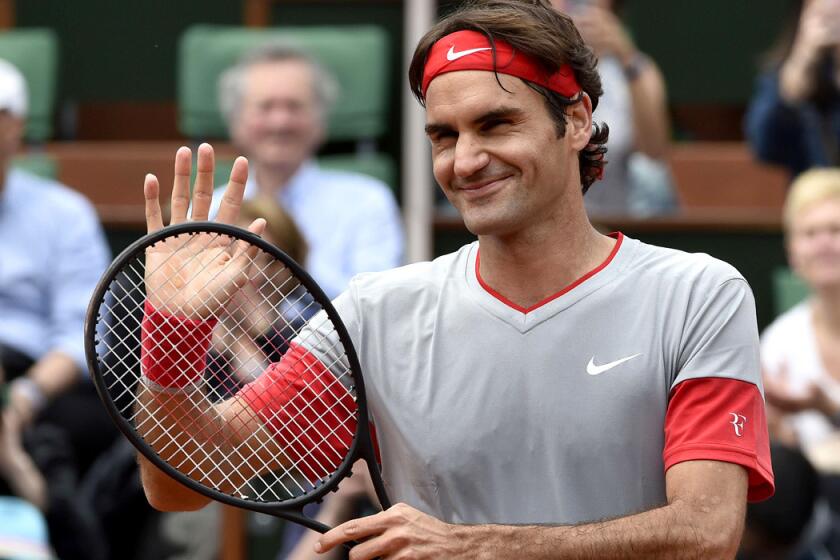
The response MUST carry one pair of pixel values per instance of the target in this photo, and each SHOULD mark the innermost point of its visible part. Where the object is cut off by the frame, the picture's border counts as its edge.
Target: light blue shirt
(350, 221)
(52, 253)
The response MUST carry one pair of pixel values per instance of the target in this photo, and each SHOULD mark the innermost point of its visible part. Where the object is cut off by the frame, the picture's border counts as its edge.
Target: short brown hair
(279, 225)
(545, 35)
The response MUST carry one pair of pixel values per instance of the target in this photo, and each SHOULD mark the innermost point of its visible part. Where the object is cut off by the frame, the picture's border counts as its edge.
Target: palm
(195, 275)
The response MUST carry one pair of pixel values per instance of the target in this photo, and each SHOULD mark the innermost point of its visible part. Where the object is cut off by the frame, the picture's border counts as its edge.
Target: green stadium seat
(35, 52)
(357, 55)
(788, 289)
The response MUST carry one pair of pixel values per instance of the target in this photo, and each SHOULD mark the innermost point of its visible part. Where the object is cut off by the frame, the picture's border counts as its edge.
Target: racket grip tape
(173, 349)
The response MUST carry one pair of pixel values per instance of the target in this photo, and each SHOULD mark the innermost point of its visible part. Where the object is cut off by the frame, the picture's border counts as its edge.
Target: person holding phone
(794, 116)
(637, 180)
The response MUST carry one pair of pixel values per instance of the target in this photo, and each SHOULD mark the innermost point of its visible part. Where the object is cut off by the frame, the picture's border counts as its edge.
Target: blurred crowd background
(725, 139)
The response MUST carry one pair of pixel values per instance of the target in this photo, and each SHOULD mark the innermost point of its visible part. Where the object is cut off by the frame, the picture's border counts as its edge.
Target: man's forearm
(650, 115)
(676, 531)
(50, 376)
(24, 478)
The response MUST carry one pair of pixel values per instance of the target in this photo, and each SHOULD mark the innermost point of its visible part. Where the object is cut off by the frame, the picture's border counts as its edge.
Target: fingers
(181, 185)
(257, 227)
(247, 252)
(151, 190)
(232, 198)
(203, 190)
(353, 530)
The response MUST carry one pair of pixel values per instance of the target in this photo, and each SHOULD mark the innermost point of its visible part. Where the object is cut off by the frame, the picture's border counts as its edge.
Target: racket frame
(361, 446)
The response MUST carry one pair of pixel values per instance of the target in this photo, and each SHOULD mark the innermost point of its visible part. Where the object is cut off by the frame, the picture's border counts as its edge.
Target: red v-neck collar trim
(619, 237)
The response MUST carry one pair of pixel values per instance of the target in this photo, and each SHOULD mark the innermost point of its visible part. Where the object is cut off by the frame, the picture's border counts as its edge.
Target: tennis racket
(228, 368)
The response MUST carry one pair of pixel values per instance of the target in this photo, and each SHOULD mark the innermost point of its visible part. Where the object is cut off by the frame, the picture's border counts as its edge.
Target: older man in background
(276, 100)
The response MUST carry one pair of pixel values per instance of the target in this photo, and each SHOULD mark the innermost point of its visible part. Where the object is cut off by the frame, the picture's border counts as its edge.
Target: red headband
(471, 50)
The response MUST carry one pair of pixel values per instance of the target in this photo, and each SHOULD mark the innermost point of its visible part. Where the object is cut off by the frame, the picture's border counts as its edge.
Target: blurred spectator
(794, 116)
(796, 523)
(18, 474)
(800, 350)
(637, 179)
(38, 502)
(275, 101)
(23, 532)
(52, 251)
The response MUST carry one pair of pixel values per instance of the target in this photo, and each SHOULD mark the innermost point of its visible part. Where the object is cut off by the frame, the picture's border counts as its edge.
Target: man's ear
(579, 122)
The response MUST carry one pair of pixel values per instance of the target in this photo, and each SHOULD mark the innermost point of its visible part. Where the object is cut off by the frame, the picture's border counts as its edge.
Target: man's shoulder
(47, 193)
(682, 266)
(412, 279)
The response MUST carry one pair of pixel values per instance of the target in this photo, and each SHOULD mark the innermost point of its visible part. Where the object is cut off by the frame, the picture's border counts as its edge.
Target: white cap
(13, 95)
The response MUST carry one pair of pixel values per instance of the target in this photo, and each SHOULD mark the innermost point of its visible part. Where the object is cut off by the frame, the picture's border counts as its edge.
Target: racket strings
(267, 315)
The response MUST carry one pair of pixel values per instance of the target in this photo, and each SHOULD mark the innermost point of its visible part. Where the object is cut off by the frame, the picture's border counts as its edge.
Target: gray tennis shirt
(485, 413)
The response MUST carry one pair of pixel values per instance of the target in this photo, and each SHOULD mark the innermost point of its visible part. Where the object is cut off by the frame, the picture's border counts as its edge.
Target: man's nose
(470, 156)
(280, 116)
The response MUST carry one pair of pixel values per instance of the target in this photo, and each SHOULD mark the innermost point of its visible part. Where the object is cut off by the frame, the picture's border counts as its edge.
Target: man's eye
(443, 135)
(490, 125)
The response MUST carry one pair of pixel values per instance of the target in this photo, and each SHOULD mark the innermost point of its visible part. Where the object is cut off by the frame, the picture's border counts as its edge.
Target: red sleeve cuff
(720, 419)
(173, 349)
(310, 413)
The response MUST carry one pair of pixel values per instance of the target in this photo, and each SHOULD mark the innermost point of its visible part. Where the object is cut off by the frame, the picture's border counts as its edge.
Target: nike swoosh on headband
(452, 55)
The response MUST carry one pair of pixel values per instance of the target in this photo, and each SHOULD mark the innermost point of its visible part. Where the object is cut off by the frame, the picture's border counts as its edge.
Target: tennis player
(547, 391)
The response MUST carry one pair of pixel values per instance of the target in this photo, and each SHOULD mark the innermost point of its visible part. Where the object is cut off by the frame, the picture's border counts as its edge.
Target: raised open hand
(195, 275)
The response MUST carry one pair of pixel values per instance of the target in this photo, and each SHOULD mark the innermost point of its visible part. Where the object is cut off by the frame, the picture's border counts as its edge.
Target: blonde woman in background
(800, 350)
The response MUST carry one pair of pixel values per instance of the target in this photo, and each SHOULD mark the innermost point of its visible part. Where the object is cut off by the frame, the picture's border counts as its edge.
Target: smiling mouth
(483, 185)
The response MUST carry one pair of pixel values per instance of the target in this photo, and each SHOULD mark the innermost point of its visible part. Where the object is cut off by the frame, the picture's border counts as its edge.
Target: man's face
(279, 122)
(496, 155)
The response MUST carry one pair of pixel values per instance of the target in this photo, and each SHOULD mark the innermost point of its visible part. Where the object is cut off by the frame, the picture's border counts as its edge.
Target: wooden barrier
(111, 174)
(719, 184)
(7, 14)
(725, 175)
(233, 546)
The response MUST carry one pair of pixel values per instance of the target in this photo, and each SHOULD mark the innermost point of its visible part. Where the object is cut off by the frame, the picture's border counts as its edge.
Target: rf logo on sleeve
(738, 421)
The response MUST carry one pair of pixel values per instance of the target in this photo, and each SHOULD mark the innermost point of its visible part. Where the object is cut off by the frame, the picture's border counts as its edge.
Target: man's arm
(80, 256)
(774, 129)
(50, 376)
(164, 493)
(703, 518)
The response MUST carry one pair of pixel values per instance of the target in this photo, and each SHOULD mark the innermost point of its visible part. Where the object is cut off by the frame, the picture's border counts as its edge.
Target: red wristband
(173, 349)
